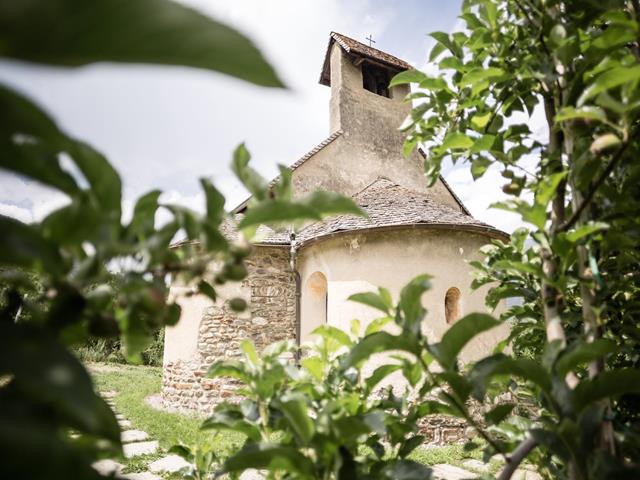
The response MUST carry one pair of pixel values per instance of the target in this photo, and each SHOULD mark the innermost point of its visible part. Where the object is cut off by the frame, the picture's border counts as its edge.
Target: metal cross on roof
(371, 40)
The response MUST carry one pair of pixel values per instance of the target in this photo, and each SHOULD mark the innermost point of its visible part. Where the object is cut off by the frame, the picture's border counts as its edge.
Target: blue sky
(164, 127)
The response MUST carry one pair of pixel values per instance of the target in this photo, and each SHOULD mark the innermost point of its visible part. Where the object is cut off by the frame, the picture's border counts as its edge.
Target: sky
(165, 127)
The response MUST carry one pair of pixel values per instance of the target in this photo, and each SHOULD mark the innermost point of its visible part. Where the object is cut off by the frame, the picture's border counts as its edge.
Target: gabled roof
(240, 208)
(358, 49)
(388, 204)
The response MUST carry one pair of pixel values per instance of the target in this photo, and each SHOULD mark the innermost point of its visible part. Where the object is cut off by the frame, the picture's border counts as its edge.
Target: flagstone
(449, 472)
(476, 465)
(107, 467)
(169, 464)
(129, 436)
(139, 448)
(139, 476)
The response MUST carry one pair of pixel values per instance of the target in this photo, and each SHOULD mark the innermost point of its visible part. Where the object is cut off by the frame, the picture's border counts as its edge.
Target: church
(299, 282)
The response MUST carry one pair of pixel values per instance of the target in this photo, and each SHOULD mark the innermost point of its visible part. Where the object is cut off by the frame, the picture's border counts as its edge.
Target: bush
(110, 351)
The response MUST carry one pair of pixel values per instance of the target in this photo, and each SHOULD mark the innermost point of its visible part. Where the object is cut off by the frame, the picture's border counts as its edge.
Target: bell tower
(362, 103)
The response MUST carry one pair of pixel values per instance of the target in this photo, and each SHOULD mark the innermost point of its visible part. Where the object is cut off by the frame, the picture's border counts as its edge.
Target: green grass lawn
(134, 383)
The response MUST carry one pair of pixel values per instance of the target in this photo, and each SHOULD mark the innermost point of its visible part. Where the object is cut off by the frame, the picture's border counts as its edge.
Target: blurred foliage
(575, 186)
(563, 397)
(82, 273)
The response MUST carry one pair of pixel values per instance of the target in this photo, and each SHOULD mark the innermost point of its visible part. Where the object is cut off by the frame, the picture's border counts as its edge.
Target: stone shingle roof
(355, 47)
(391, 205)
(387, 205)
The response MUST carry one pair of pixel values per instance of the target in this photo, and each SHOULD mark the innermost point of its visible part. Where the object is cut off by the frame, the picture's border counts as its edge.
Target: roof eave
(486, 230)
(325, 74)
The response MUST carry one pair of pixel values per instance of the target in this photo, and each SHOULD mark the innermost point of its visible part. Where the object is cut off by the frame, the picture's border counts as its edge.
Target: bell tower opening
(375, 79)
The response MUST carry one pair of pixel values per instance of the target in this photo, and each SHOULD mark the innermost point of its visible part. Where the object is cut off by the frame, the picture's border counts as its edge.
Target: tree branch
(594, 188)
(515, 459)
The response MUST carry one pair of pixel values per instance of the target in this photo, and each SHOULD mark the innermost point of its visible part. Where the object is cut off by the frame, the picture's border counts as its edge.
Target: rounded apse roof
(388, 206)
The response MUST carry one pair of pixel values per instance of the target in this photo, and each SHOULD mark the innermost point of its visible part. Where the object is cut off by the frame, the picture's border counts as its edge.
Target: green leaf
(172, 314)
(410, 445)
(251, 179)
(458, 383)
(500, 364)
(207, 289)
(381, 342)
(480, 78)
(227, 417)
(74, 223)
(436, 51)
(444, 39)
(22, 246)
(453, 63)
(408, 76)
(380, 374)
(609, 384)
(615, 35)
(330, 203)
(499, 413)
(430, 83)
(104, 181)
(271, 457)
(282, 189)
(55, 380)
(610, 79)
(315, 366)
(36, 154)
(333, 333)
(229, 368)
(214, 202)
(547, 188)
(479, 166)
(143, 31)
(461, 333)
(584, 353)
(410, 303)
(489, 12)
(250, 353)
(294, 409)
(377, 325)
(314, 206)
(430, 407)
(480, 120)
(456, 140)
(277, 211)
(371, 299)
(144, 214)
(588, 112)
(586, 230)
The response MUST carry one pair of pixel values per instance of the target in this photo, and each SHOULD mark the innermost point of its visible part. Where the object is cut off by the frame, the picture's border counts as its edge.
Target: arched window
(317, 293)
(452, 305)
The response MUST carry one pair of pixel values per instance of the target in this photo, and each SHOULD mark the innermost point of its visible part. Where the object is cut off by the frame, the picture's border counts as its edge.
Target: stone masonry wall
(271, 284)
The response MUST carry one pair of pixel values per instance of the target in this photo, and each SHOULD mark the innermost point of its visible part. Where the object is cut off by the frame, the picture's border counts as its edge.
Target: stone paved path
(135, 443)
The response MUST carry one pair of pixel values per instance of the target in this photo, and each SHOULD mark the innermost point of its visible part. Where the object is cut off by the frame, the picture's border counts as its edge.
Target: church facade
(296, 284)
